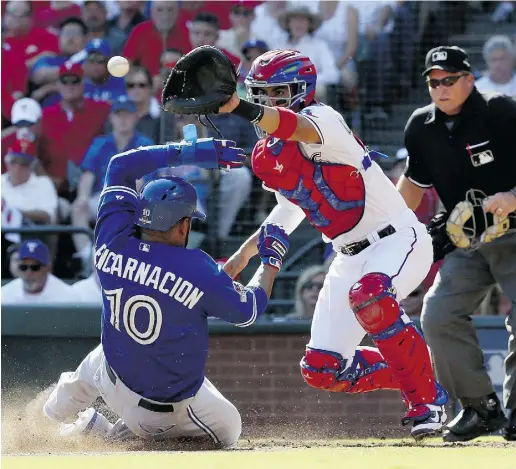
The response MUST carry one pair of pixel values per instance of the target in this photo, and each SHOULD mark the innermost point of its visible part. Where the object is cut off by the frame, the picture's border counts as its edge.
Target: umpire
(463, 145)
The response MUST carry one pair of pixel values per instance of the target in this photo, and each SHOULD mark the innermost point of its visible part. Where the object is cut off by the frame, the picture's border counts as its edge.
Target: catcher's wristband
(249, 111)
(272, 262)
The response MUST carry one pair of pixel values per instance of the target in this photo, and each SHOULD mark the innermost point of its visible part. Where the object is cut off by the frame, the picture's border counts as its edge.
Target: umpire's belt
(144, 403)
(352, 249)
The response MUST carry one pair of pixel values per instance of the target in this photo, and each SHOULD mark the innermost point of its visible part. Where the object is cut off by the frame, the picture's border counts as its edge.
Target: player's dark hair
(77, 21)
(208, 18)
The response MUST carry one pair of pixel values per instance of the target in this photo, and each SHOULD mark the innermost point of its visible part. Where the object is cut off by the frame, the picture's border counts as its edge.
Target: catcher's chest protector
(332, 196)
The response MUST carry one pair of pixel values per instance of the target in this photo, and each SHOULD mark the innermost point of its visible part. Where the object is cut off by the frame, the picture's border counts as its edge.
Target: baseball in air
(118, 66)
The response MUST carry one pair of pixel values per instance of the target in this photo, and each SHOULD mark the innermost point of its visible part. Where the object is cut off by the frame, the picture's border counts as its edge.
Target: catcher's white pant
(207, 414)
(406, 256)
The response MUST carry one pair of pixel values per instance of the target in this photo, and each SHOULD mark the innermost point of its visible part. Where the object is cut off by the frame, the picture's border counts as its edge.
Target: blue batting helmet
(163, 202)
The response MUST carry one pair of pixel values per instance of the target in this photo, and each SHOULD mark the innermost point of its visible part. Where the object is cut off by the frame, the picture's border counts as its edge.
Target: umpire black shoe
(509, 433)
(478, 417)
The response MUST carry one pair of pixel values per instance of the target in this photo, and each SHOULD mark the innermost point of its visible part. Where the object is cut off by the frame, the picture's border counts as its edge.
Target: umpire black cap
(449, 58)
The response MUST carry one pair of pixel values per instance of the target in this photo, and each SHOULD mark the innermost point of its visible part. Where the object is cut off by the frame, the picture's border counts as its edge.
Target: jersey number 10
(130, 308)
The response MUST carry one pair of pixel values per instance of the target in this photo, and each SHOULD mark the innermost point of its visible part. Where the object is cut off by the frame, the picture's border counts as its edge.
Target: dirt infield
(25, 431)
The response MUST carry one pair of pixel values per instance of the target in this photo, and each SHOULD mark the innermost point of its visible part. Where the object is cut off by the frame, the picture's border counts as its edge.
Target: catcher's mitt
(201, 82)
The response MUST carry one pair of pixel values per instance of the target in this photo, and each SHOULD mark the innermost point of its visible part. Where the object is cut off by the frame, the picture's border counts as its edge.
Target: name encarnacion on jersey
(148, 275)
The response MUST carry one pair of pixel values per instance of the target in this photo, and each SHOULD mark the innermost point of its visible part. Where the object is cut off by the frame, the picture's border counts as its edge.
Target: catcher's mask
(469, 226)
(278, 68)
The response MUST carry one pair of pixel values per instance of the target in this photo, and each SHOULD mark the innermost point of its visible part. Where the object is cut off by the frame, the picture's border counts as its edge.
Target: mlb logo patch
(144, 247)
(439, 56)
(482, 158)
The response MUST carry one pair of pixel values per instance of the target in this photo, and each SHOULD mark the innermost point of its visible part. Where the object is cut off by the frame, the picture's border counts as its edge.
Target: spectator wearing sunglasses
(241, 17)
(464, 141)
(33, 196)
(99, 84)
(73, 36)
(309, 285)
(138, 83)
(36, 284)
(70, 126)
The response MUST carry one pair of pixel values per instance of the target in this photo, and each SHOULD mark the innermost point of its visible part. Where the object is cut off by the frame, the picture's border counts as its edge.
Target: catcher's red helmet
(283, 67)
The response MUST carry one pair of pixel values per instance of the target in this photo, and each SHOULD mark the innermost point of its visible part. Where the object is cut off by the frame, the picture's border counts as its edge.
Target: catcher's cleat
(89, 422)
(427, 419)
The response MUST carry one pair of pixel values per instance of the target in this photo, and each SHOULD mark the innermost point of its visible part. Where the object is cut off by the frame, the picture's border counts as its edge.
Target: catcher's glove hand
(441, 242)
(201, 82)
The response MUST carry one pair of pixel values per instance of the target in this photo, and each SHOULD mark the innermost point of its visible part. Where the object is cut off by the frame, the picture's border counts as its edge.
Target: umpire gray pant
(464, 280)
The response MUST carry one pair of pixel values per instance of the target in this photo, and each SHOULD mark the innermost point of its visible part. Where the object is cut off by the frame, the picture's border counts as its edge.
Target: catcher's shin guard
(330, 371)
(373, 300)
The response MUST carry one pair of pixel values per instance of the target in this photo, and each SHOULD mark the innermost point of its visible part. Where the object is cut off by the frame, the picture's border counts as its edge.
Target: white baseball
(118, 66)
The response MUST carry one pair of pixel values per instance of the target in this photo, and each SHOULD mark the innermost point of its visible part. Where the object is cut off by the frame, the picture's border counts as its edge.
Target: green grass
(370, 454)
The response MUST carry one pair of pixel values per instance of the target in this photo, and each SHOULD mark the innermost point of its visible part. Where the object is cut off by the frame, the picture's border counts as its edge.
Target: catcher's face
(449, 90)
(275, 96)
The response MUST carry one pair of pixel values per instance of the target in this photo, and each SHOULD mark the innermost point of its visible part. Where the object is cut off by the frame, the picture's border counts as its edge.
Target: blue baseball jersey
(156, 297)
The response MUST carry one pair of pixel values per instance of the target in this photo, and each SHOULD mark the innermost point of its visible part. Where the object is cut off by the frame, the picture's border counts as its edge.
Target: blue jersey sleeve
(118, 199)
(235, 303)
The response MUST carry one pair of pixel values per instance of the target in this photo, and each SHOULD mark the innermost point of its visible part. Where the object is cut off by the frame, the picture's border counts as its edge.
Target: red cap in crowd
(71, 69)
(22, 148)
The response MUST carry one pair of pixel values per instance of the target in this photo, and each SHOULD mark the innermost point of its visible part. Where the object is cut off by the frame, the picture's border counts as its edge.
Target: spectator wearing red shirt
(14, 81)
(221, 9)
(53, 15)
(24, 39)
(73, 36)
(204, 31)
(94, 15)
(26, 118)
(149, 39)
(70, 126)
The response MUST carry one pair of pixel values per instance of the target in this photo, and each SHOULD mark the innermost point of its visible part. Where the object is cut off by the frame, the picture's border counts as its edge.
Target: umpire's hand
(272, 245)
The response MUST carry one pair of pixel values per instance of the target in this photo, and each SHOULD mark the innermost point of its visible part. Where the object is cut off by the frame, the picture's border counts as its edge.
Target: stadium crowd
(64, 115)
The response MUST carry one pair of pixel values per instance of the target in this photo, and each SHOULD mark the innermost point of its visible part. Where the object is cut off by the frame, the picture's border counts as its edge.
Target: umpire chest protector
(473, 150)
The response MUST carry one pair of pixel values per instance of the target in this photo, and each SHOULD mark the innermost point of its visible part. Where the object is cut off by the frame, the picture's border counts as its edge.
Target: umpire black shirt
(472, 150)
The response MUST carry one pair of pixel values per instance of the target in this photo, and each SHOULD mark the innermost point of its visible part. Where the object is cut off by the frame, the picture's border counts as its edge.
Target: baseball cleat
(89, 422)
(427, 420)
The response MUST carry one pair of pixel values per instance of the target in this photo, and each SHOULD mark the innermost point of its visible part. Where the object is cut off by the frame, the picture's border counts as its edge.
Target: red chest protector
(331, 195)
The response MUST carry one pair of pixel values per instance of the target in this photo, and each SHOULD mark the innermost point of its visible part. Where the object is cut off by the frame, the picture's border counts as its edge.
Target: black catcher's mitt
(440, 240)
(201, 82)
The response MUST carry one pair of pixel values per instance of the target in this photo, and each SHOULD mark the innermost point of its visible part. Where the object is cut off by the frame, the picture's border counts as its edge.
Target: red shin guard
(373, 300)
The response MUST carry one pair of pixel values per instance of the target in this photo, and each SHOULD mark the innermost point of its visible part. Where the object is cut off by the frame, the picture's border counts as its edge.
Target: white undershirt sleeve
(286, 214)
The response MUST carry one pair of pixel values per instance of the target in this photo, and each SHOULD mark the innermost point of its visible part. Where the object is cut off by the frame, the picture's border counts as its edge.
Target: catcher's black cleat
(509, 433)
(478, 417)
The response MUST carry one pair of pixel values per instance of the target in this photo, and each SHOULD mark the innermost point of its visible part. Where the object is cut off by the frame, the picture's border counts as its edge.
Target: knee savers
(373, 300)
(322, 369)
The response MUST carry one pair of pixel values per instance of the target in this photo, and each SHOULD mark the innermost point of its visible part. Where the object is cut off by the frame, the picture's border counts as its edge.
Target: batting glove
(211, 153)
(272, 245)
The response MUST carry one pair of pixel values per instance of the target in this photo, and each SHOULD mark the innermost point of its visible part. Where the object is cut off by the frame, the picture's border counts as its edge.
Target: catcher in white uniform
(318, 169)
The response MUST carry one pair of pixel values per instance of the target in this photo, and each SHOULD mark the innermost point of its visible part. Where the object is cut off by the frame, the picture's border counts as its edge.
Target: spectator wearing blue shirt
(99, 84)
(45, 72)
(124, 137)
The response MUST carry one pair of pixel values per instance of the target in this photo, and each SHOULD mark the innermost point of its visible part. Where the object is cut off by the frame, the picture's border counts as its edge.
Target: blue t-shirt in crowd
(102, 150)
(108, 91)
